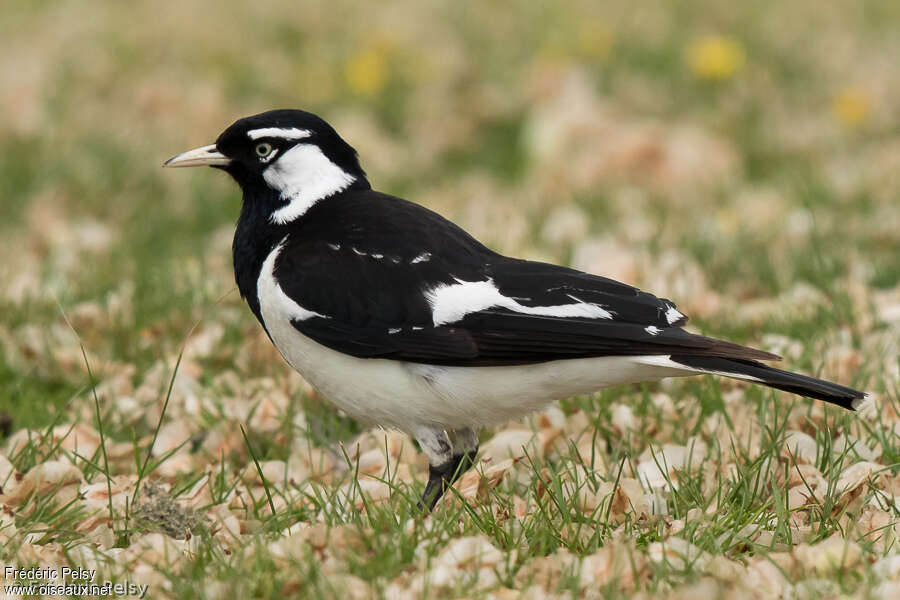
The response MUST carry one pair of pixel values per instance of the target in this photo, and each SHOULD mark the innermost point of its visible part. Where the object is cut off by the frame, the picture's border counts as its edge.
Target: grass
(138, 394)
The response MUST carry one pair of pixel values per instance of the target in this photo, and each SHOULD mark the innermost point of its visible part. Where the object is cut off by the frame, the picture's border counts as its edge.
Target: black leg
(442, 476)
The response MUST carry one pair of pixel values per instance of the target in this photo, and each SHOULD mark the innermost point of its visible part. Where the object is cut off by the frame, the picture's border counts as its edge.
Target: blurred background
(742, 159)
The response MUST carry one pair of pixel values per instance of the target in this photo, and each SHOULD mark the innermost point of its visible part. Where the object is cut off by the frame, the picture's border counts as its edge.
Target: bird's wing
(425, 291)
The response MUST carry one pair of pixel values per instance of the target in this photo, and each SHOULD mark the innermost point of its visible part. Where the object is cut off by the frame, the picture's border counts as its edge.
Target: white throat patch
(303, 175)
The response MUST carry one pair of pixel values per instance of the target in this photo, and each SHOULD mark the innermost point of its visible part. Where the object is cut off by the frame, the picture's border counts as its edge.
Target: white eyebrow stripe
(285, 133)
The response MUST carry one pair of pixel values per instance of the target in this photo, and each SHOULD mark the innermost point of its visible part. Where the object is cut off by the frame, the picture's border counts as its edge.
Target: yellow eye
(263, 150)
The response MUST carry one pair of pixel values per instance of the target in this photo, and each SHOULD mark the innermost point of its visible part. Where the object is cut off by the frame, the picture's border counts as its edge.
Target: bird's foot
(441, 477)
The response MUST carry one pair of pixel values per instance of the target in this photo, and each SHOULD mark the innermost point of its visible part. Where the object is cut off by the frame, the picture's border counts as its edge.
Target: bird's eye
(263, 150)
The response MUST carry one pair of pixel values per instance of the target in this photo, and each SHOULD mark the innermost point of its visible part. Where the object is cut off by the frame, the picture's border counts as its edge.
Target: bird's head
(289, 158)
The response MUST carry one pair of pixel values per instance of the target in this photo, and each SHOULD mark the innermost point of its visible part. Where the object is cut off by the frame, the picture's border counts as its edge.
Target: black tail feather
(757, 372)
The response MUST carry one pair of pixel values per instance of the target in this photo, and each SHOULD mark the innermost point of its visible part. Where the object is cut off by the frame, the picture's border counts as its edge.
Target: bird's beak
(198, 157)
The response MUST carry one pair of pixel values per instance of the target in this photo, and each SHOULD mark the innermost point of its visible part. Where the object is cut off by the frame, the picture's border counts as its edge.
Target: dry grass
(741, 160)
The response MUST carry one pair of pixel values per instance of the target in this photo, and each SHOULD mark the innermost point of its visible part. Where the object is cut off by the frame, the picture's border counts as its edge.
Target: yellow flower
(367, 71)
(728, 220)
(595, 39)
(851, 106)
(714, 57)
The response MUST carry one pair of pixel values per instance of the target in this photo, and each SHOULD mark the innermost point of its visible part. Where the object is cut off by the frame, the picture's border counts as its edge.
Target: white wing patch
(672, 315)
(303, 176)
(274, 303)
(284, 133)
(652, 330)
(451, 302)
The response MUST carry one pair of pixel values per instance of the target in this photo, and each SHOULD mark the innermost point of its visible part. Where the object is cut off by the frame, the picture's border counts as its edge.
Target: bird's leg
(465, 446)
(445, 462)
(435, 444)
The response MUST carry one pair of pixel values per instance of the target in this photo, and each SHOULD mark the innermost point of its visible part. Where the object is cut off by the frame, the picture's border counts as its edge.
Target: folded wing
(405, 284)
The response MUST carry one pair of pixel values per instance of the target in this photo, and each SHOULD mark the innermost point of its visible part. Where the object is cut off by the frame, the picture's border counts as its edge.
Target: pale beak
(198, 157)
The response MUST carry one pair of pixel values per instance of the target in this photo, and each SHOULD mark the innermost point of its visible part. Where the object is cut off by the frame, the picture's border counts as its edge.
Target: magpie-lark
(400, 317)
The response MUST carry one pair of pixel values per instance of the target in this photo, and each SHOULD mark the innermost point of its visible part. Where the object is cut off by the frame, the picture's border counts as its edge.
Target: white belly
(411, 395)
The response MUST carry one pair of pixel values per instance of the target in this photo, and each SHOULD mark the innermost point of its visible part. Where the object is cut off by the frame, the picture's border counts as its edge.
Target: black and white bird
(401, 318)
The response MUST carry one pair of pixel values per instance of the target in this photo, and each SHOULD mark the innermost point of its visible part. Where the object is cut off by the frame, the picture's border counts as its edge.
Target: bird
(401, 318)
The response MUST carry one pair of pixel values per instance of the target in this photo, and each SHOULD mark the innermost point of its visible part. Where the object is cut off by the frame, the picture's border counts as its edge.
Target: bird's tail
(757, 372)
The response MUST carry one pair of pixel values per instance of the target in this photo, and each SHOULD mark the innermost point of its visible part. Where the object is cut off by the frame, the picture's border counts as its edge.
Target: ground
(740, 159)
